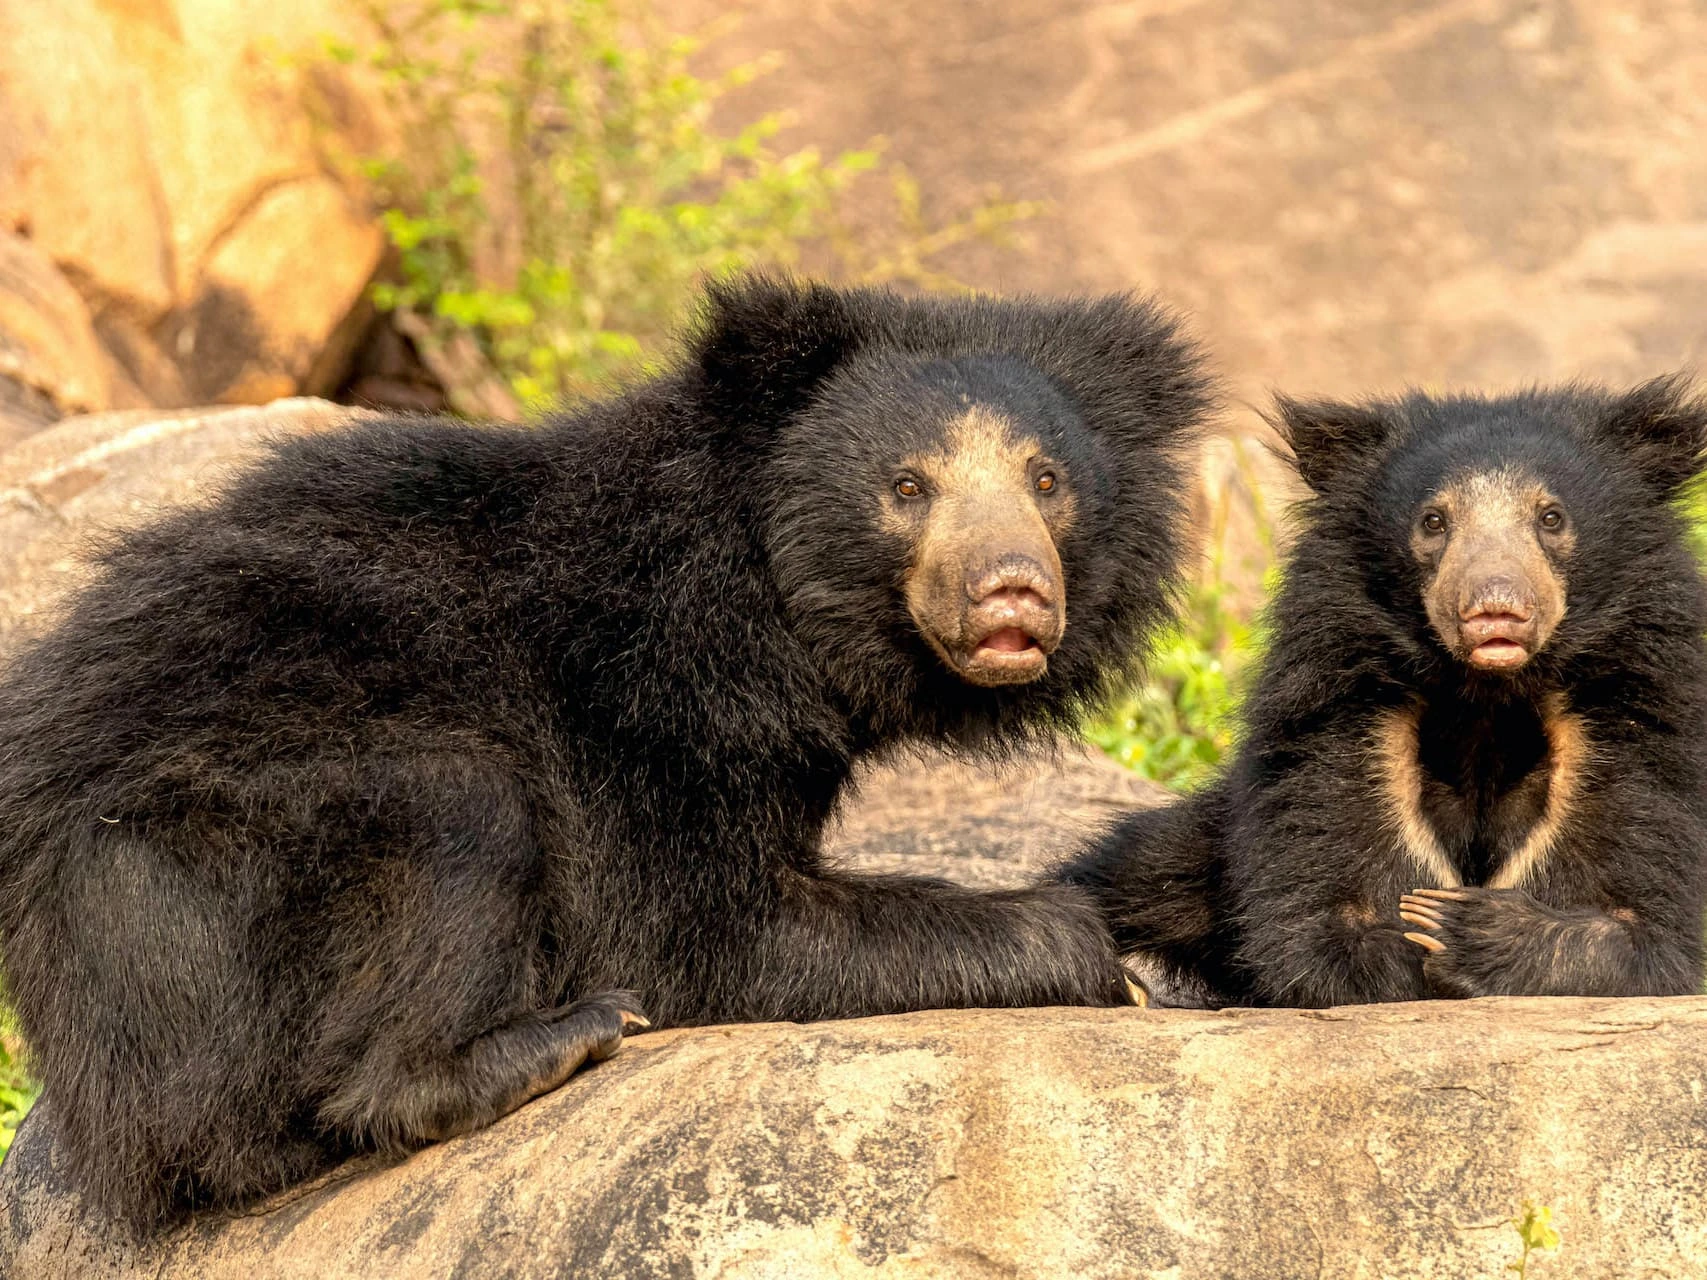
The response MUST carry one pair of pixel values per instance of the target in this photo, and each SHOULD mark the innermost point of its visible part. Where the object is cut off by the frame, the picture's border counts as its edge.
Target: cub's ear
(763, 344)
(1328, 438)
(1661, 428)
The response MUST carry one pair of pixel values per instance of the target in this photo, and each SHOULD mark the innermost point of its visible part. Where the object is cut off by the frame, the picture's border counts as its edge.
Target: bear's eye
(907, 487)
(1434, 522)
(1552, 518)
(1046, 482)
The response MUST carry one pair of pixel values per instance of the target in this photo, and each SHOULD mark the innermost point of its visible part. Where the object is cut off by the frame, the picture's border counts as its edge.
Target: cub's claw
(1415, 908)
(1456, 928)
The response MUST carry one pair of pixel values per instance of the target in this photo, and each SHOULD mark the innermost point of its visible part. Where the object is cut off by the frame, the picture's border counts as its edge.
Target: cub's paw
(1463, 931)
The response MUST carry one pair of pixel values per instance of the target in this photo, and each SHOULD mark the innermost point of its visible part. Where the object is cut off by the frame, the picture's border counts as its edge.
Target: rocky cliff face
(155, 154)
(1346, 196)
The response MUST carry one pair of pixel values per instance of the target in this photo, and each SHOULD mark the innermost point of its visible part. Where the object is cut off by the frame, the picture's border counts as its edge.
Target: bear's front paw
(1152, 984)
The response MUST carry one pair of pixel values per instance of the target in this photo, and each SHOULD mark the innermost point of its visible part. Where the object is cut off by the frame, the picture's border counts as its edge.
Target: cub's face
(1504, 527)
(1492, 545)
(980, 511)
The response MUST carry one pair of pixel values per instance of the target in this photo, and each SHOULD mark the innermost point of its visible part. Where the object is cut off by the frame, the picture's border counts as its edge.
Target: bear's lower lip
(1498, 655)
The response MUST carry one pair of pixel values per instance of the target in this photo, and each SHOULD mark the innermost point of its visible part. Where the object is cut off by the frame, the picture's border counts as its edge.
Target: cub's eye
(1434, 522)
(1552, 518)
(1046, 482)
(907, 487)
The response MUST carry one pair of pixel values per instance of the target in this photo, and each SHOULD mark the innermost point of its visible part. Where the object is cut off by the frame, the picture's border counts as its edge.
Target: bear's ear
(1328, 438)
(762, 346)
(1662, 430)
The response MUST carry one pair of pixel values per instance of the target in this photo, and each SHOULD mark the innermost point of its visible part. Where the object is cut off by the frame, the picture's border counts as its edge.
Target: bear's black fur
(361, 805)
(1553, 812)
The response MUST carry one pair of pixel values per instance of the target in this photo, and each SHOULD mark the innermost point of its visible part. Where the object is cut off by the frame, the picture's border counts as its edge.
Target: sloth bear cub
(1475, 760)
(360, 806)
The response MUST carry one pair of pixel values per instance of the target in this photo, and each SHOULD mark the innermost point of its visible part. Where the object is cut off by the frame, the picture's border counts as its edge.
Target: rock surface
(988, 826)
(155, 150)
(51, 361)
(1265, 1145)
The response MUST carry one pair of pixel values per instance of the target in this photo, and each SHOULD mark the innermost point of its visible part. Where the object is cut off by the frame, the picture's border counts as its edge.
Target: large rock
(155, 151)
(988, 826)
(51, 361)
(1386, 1141)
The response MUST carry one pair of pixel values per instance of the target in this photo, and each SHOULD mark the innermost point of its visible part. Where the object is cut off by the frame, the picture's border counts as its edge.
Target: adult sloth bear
(363, 805)
(1486, 679)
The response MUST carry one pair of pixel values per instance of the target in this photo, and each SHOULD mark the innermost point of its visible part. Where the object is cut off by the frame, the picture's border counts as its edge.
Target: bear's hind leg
(400, 1104)
(444, 1005)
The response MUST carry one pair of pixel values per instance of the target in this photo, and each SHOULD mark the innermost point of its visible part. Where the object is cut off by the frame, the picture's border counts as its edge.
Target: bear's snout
(1012, 622)
(1495, 594)
(1502, 619)
(995, 608)
(1012, 577)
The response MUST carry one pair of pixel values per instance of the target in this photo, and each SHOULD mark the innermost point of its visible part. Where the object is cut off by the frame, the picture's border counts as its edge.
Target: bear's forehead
(1503, 493)
(982, 446)
(1491, 462)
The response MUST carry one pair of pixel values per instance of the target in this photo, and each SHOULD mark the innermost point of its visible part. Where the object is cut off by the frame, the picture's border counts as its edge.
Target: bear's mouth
(1498, 655)
(1007, 655)
(1498, 640)
(1008, 640)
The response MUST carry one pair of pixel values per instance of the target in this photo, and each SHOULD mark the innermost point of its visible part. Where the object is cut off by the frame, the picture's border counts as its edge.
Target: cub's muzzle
(1493, 543)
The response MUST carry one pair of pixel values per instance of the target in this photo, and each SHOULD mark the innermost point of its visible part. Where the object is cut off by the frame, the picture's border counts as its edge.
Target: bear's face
(949, 490)
(971, 509)
(977, 513)
(1500, 528)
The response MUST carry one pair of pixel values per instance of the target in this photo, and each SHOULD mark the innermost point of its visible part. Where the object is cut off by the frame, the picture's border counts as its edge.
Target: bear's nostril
(1498, 597)
(1014, 598)
(1018, 580)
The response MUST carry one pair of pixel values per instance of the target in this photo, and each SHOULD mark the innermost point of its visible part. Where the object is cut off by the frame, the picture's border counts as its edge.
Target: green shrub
(559, 189)
(1177, 726)
(1693, 504)
(17, 1090)
(1534, 1226)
